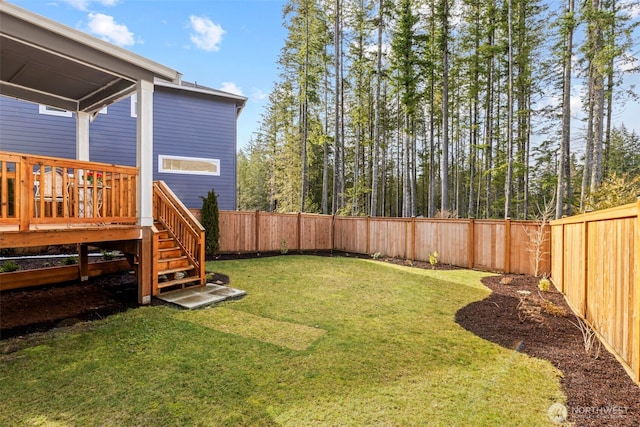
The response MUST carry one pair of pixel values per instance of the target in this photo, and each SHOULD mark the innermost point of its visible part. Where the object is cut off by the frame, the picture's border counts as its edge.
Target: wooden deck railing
(37, 190)
(181, 223)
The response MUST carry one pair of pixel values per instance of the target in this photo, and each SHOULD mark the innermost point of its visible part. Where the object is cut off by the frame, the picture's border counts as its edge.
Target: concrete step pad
(202, 296)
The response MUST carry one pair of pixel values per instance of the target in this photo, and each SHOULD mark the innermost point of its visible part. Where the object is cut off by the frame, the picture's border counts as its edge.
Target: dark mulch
(28, 310)
(599, 391)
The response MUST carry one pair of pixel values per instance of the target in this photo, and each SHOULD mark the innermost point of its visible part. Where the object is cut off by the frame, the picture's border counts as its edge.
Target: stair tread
(170, 283)
(173, 248)
(174, 258)
(175, 270)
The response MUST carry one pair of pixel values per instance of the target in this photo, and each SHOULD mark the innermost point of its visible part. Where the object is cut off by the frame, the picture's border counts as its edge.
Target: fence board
(595, 264)
(489, 248)
(350, 234)
(390, 237)
(410, 238)
(237, 232)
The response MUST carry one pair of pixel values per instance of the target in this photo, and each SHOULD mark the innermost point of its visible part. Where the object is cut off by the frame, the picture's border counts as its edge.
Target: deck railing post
(25, 200)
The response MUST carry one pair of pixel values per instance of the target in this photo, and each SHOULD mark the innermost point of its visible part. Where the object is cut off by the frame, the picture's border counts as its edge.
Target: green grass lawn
(316, 341)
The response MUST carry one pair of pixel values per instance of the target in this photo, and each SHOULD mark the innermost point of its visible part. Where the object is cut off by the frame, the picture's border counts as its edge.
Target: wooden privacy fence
(596, 265)
(494, 245)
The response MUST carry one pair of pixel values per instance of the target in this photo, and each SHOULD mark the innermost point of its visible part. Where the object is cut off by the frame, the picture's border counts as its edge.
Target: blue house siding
(186, 124)
(23, 129)
(194, 125)
(112, 136)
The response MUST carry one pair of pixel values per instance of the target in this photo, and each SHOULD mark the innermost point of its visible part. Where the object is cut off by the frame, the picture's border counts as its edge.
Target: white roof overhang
(45, 62)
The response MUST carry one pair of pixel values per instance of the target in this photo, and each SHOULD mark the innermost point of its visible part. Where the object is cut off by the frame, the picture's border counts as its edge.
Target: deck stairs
(175, 271)
(178, 244)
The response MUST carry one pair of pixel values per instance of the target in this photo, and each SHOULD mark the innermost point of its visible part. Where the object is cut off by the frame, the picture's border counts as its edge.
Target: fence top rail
(381, 218)
(624, 211)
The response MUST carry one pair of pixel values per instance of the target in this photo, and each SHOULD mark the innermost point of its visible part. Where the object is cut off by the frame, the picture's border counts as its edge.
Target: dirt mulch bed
(599, 391)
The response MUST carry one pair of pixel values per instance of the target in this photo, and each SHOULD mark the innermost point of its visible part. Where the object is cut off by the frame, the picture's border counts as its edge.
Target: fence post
(333, 232)
(507, 245)
(257, 231)
(368, 234)
(636, 294)
(585, 267)
(471, 243)
(299, 232)
(413, 238)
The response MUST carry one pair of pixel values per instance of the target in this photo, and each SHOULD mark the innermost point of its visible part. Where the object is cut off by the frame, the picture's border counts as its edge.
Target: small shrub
(283, 247)
(8, 266)
(433, 259)
(70, 260)
(544, 284)
(529, 308)
(210, 222)
(7, 251)
(377, 255)
(592, 345)
(552, 309)
(107, 255)
(506, 280)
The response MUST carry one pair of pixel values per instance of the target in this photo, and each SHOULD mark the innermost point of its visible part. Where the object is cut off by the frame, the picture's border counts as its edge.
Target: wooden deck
(54, 201)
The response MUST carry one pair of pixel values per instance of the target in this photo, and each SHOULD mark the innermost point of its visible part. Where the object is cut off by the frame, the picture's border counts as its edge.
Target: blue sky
(231, 45)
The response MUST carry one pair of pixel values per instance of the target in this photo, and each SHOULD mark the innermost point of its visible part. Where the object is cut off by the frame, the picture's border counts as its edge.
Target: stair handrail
(164, 196)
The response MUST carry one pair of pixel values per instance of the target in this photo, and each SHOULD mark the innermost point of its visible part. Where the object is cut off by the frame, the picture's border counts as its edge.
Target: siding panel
(185, 124)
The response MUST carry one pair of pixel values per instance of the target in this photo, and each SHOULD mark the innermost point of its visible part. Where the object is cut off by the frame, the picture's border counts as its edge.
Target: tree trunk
(507, 185)
(336, 143)
(376, 123)
(563, 195)
(444, 164)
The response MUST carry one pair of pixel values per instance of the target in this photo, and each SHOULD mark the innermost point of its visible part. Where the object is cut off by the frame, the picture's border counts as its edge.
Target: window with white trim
(53, 111)
(134, 105)
(188, 165)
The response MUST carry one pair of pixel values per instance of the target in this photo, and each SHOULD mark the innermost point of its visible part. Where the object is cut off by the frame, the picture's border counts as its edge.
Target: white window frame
(53, 111)
(134, 105)
(162, 157)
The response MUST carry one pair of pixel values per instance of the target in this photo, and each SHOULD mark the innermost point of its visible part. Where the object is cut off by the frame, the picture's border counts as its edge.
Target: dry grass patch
(284, 334)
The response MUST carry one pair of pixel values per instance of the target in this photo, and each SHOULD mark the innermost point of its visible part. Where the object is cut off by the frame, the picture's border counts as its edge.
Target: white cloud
(259, 94)
(231, 88)
(632, 7)
(84, 4)
(576, 101)
(105, 26)
(206, 34)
